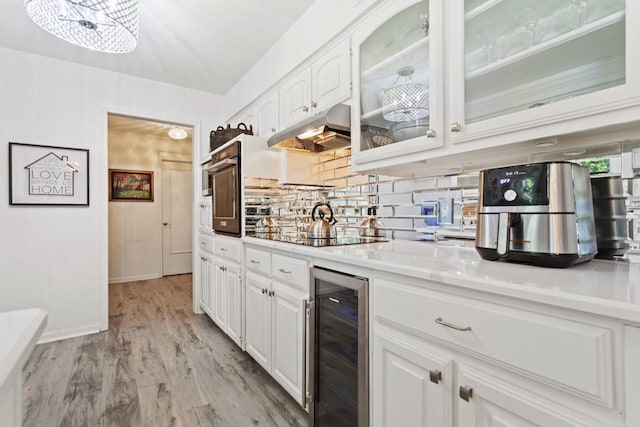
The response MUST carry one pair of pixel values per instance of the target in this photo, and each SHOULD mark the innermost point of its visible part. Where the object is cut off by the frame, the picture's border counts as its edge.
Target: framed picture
(47, 175)
(130, 185)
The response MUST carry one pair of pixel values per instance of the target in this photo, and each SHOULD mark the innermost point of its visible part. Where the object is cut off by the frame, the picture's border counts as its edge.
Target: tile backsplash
(408, 208)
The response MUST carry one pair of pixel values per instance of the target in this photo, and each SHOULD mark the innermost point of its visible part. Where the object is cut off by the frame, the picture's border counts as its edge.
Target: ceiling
(200, 44)
(144, 127)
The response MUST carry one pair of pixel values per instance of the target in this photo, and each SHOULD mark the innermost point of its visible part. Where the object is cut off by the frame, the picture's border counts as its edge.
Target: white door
(288, 364)
(331, 78)
(258, 319)
(219, 284)
(177, 204)
(233, 293)
(295, 98)
(410, 384)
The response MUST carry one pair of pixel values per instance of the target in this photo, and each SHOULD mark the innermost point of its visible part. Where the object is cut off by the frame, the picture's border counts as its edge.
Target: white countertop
(19, 332)
(608, 288)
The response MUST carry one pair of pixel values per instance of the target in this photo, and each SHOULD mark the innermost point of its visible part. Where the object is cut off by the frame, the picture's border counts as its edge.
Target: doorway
(177, 212)
(140, 246)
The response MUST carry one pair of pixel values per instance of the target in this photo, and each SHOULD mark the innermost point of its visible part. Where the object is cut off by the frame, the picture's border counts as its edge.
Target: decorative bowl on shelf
(402, 131)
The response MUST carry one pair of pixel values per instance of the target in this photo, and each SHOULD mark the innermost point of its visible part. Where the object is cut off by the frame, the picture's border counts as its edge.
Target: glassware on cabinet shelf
(524, 53)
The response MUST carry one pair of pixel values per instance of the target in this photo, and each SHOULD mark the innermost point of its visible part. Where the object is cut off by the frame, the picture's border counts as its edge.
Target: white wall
(322, 22)
(55, 258)
(135, 230)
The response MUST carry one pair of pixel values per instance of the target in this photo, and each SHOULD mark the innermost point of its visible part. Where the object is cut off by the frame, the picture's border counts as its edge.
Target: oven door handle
(222, 164)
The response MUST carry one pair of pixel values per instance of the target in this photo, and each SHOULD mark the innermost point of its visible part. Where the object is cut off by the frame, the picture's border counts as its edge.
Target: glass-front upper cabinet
(522, 56)
(395, 53)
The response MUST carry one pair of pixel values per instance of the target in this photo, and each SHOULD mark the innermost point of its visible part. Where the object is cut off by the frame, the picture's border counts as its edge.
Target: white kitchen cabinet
(326, 82)
(258, 319)
(398, 78)
(502, 364)
(233, 302)
(206, 271)
(219, 285)
(517, 75)
(520, 67)
(267, 112)
(485, 401)
(226, 291)
(411, 382)
(276, 318)
(288, 339)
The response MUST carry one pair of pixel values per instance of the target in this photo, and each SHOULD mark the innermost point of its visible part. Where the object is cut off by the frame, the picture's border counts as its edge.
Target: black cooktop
(336, 241)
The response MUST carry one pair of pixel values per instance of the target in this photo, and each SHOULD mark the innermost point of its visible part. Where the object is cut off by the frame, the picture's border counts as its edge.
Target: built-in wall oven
(224, 169)
(338, 344)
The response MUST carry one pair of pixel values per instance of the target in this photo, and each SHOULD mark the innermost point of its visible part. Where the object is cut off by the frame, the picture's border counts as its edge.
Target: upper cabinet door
(523, 64)
(398, 58)
(295, 98)
(268, 115)
(331, 77)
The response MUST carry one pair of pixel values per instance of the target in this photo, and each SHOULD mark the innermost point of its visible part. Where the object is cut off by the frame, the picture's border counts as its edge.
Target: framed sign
(130, 185)
(47, 175)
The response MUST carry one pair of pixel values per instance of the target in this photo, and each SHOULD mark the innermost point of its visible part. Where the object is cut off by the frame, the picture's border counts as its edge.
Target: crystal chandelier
(405, 101)
(104, 25)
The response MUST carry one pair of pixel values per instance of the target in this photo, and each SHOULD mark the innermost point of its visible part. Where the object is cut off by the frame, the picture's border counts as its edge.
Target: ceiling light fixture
(103, 25)
(178, 133)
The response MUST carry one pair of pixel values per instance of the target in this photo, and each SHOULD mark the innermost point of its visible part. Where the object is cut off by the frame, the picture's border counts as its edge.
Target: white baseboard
(68, 333)
(133, 278)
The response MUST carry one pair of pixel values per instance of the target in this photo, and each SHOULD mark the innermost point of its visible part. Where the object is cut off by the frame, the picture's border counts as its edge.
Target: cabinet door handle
(253, 261)
(223, 249)
(431, 133)
(314, 104)
(271, 293)
(455, 127)
(264, 291)
(283, 271)
(466, 393)
(435, 376)
(273, 130)
(452, 326)
(305, 109)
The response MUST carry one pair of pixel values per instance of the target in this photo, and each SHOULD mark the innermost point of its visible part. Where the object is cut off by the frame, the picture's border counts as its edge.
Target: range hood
(328, 130)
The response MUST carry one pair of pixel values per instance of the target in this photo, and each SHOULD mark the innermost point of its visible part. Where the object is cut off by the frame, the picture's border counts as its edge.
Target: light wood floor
(157, 365)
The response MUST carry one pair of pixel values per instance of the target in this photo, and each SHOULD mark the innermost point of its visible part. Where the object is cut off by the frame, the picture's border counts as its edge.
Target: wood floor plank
(157, 365)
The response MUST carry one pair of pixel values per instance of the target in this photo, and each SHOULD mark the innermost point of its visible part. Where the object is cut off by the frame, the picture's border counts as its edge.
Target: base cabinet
(233, 303)
(445, 359)
(258, 319)
(411, 384)
(277, 291)
(288, 340)
(207, 297)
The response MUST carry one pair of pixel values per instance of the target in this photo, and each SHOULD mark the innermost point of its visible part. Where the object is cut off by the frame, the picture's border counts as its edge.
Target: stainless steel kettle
(321, 228)
(371, 226)
(267, 227)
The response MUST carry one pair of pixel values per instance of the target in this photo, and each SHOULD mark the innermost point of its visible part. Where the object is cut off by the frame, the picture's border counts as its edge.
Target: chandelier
(104, 25)
(406, 100)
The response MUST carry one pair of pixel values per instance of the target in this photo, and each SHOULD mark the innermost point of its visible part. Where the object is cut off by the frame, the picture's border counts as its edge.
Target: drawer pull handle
(466, 393)
(253, 261)
(452, 326)
(283, 271)
(435, 376)
(223, 249)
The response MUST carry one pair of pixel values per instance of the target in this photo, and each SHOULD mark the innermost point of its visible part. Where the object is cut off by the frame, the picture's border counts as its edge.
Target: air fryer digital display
(524, 185)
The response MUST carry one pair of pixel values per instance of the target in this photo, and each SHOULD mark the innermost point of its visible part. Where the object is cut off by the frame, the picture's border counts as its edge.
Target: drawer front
(573, 356)
(291, 271)
(206, 243)
(258, 261)
(228, 247)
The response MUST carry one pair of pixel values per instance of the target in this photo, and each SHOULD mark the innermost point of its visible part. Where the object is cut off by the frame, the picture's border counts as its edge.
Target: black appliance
(339, 347)
(224, 169)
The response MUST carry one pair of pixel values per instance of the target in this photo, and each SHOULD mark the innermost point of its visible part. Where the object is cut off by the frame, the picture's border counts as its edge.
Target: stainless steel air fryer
(540, 213)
